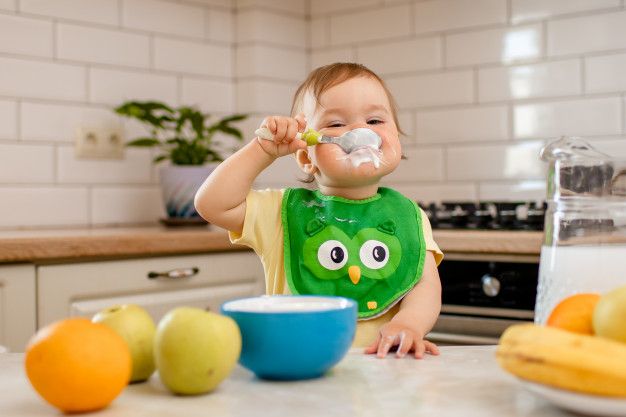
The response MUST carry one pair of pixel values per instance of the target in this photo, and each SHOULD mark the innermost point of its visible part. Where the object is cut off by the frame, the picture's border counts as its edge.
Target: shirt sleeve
(261, 224)
(431, 245)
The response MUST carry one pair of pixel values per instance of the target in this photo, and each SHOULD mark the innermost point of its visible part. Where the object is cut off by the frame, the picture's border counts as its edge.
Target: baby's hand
(284, 130)
(396, 334)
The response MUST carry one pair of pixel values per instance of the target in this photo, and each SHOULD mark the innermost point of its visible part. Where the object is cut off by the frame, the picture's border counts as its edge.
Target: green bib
(369, 250)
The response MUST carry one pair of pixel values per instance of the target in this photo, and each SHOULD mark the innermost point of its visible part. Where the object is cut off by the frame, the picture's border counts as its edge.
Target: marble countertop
(74, 245)
(464, 381)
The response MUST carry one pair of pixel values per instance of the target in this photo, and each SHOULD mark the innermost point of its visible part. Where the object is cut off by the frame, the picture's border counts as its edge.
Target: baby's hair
(323, 78)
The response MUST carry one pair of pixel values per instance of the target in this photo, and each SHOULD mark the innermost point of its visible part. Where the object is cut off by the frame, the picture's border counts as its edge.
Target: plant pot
(179, 184)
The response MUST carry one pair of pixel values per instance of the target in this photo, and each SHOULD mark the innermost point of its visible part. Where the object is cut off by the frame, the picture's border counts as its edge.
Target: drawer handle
(175, 273)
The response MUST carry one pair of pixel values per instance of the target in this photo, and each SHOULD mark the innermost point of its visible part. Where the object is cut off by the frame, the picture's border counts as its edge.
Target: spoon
(350, 141)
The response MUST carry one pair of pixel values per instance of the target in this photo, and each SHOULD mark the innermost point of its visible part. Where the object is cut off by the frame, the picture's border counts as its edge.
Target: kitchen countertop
(111, 243)
(463, 381)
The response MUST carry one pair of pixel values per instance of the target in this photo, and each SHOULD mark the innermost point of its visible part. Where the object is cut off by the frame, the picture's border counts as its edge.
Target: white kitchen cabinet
(17, 306)
(82, 289)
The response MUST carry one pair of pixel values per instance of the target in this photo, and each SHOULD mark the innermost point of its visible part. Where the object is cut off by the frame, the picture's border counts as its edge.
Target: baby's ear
(304, 162)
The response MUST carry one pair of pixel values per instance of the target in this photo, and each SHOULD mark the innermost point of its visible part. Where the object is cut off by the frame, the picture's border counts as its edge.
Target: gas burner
(487, 215)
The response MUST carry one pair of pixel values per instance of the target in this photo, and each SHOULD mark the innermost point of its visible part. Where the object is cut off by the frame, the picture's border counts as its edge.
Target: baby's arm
(221, 200)
(418, 313)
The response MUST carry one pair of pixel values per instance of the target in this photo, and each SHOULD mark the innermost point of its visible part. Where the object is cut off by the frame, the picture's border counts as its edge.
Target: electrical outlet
(99, 143)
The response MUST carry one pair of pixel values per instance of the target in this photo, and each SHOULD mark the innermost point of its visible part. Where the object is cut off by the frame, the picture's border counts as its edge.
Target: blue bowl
(293, 337)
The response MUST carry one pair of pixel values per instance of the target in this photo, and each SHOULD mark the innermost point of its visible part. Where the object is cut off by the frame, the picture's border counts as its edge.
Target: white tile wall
(481, 85)
(106, 46)
(94, 11)
(547, 79)
(588, 117)
(441, 15)
(35, 36)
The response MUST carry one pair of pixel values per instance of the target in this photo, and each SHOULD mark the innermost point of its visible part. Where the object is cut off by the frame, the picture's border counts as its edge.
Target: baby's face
(355, 103)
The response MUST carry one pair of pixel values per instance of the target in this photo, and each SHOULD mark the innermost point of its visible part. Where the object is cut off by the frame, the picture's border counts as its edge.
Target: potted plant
(188, 142)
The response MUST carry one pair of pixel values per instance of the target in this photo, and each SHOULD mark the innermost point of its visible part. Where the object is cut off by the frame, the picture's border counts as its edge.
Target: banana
(550, 356)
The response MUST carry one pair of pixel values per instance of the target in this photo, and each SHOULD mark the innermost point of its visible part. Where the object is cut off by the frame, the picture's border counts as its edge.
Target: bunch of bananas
(563, 359)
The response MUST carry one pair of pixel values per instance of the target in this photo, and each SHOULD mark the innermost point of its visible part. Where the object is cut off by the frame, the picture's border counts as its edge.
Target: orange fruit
(77, 365)
(575, 313)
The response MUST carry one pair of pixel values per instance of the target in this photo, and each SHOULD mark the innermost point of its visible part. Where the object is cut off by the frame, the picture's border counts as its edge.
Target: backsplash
(481, 85)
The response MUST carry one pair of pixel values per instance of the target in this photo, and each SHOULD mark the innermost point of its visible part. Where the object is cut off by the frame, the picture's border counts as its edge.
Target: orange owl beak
(354, 272)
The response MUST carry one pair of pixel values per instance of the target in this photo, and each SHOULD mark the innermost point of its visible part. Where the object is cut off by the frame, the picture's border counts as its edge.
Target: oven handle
(461, 338)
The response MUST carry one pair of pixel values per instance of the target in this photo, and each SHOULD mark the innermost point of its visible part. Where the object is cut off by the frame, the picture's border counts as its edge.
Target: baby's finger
(292, 129)
(406, 342)
(419, 350)
(385, 344)
(431, 348)
(281, 130)
(270, 123)
(301, 122)
(373, 347)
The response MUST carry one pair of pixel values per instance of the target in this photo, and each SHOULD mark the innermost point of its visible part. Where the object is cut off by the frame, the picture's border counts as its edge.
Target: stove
(483, 294)
(487, 215)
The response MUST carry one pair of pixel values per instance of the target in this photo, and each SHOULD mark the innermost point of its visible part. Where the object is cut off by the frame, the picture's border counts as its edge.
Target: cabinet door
(84, 288)
(17, 306)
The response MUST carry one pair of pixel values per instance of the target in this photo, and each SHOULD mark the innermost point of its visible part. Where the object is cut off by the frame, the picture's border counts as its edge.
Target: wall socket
(99, 143)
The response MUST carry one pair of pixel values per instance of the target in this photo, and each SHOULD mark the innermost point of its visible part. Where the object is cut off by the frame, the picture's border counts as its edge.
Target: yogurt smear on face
(361, 145)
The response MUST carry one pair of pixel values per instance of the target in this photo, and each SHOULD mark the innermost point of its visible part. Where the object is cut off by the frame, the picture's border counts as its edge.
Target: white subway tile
(513, 191)
(597, 116)
(103, 46)
(605, 73)
(455, 87)
(330, 56)
(220, 25)
(56, 122)
(389, 22)
(113, 86)
(8, 120)
(494, 45)
(522, 10)
(43, 206)
(463, 125)
(292, 6)
(22, 78)
(249, 125)
(558, 78)
(163, 17)
(403, 56)
(96, 11)
(443, 191)
(441, 15)
(264, 97)
(117, 205)
(587, 34)
(284, 172)
(495, 162)
(134, 168)
(22, 35)
(22, 163)
(8, 4)
(194, 57)
(257, 25)
(330, 6)
(208, 95)
(270, 61)
(614, 146)
(422, 164)
(319, 32)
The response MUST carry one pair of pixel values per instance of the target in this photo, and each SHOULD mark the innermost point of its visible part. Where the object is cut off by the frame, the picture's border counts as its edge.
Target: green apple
(609, 315)
(137, 328)
(195, 349)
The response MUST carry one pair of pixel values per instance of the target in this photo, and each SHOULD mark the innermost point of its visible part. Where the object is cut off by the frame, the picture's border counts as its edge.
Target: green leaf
(145, 142)
(230, 131)
(160, 158)
(233, 118)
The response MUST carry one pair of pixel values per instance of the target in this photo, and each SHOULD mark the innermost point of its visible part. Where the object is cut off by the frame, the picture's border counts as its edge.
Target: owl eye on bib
(330, 254)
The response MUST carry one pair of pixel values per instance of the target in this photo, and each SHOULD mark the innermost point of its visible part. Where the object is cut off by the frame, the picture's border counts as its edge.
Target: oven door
(481, 298)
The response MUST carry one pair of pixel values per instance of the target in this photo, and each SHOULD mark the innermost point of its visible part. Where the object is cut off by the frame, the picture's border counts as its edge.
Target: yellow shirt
(263, 232)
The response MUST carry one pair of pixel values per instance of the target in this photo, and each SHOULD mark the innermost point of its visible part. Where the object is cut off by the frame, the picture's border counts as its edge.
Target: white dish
(580, 403)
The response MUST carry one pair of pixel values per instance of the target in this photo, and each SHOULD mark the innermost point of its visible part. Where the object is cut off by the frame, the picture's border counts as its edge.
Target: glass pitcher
(584, 247)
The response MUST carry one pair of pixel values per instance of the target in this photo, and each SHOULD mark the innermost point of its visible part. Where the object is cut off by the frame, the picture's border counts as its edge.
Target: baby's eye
(375, 122)
(335, 124)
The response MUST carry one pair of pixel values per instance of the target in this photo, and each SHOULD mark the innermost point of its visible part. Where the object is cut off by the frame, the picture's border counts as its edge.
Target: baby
(349, 237)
